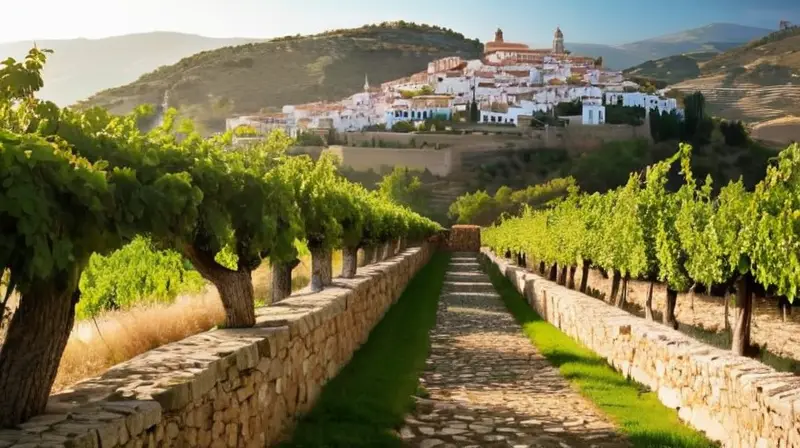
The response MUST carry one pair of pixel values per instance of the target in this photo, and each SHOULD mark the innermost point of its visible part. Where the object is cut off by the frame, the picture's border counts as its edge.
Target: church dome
(559, 34)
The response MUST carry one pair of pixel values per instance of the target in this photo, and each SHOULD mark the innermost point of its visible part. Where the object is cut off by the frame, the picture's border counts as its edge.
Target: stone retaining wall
(735, 400)
(229, 387)
(769, 330)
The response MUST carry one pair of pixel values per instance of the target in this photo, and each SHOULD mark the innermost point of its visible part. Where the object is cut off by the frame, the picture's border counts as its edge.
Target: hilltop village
(509, 84)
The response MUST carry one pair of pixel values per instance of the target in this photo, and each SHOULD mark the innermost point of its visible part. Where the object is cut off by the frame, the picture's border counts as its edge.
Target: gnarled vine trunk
(584, 276)
(349, 262)
(553, 273)
(321, 268)
(542, 267)
(562, 276)
(622, 297)
(740, 338)
(571, 277)
(616, 278)
(369, 255)
(282, 279)
(648, 303)
(387, 251)
(669, 308)
(235, 287)
(29, 359)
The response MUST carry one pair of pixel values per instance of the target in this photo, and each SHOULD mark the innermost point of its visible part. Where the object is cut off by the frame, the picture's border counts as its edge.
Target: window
(511, 120)
(591, 116)
(485, 118)
(493, 119)
(600, 116)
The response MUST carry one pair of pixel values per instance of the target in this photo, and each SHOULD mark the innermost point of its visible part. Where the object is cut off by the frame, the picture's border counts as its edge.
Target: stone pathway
(488, 386)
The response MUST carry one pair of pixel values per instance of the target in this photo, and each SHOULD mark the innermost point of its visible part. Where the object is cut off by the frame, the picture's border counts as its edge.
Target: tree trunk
(542, 268)
(553, 273)
(31, 352)
(669, 309)
(369, 255)
(321, 268)
(562, 276)
(740, 338)
(571, 277)
(585, 276)
(727, 312)
(648, 303)
(615, 281)
(402, 244)
(524, 260)
(622, 297)
(349, 264)
(785, 308)
(282, 279)
(386, 251)
(235, 287)
(508, 254)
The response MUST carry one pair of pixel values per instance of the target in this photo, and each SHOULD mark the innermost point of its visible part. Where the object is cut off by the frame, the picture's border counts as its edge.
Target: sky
(585, 21)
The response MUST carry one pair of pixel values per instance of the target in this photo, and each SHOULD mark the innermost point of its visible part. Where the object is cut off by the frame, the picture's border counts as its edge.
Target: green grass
(370, 397)
(638, 413)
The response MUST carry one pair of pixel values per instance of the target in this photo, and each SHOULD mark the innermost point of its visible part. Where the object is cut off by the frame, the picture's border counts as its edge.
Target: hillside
(246, 79)
(712, 38)
(81, 67)
(756, 82)
(672, 69)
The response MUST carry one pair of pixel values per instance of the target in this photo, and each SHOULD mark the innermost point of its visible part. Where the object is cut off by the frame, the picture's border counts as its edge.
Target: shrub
(403, 126)
(135, 274)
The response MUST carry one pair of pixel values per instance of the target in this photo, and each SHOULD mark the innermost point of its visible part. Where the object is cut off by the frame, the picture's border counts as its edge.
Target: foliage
(482, 209)
(403, 126)
(424, 90)
(630, 115)
(310, 139)
(136, 274)
(697, 124)
(245, 131)
(78, 183)
(571, 108)
(403, 186)
(734, 132)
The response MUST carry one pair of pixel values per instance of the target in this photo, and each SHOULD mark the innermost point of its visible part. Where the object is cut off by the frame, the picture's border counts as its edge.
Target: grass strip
(637, 412)
(369, 398)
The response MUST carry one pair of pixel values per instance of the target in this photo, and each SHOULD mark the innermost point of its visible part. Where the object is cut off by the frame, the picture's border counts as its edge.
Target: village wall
(439, 162)
(228, 387)
(733, 399)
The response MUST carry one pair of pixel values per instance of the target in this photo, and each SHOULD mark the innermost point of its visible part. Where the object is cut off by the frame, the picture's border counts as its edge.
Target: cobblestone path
(488, 386)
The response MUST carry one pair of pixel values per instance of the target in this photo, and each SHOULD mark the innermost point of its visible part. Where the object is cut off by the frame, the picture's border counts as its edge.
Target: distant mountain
(213, 85)
(755, 82)
(716, 37)
(79, 68)
(725, 35)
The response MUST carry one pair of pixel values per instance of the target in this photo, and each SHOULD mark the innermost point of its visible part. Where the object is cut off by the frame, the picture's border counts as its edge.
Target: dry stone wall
(230, 387)
(769, 329)
(735, 400)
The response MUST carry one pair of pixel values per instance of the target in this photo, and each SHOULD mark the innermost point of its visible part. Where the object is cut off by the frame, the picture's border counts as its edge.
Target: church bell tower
(558, 41)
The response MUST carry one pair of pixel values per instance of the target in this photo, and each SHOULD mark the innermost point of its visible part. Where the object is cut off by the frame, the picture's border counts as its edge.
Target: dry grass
(780, 130)
(123, 335)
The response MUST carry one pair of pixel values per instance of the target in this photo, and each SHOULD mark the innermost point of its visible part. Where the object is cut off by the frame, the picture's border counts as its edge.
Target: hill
(672, 69)
(712, 38)
(212, 85)
(755, 82)
(81, 67)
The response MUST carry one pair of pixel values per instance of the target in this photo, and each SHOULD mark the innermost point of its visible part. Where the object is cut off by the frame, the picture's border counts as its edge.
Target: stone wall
(462, 238)
(229, 387)
(769, 330)
(439, 162)
(735, 400)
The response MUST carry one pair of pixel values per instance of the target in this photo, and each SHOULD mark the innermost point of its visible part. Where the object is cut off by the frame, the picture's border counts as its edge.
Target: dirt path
(488, 386)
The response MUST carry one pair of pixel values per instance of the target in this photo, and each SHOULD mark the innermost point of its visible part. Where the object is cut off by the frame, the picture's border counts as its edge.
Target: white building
(639, 99)
(594, 112)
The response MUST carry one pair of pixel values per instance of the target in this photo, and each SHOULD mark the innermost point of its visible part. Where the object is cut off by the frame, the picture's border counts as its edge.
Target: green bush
(136, 274)
(403, 126)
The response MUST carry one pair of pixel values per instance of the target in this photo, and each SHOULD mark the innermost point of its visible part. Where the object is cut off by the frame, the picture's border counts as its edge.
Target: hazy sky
(587, 21)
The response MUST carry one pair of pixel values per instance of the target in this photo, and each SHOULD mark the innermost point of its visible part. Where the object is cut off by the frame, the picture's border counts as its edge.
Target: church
(501, 52)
